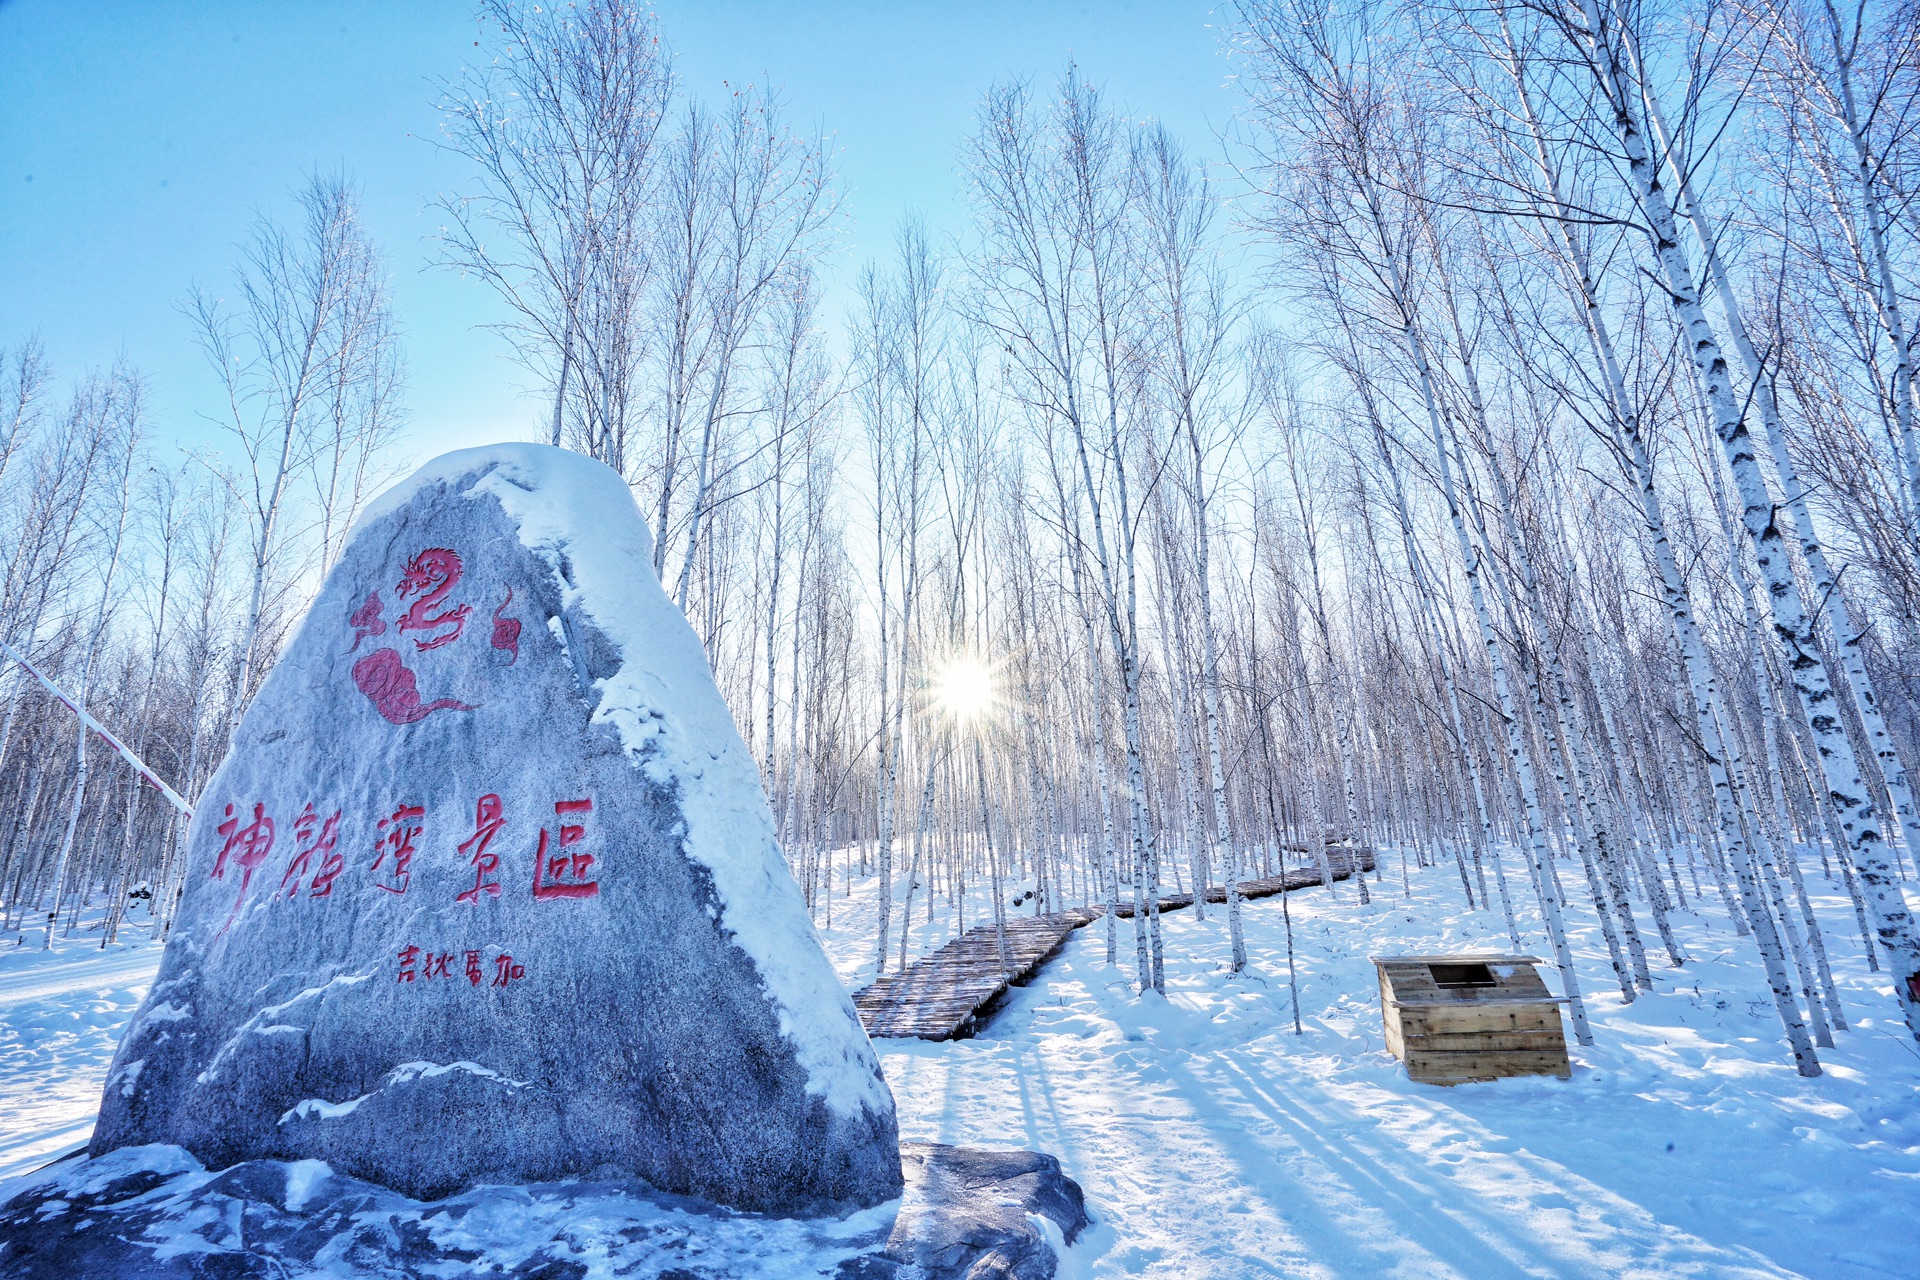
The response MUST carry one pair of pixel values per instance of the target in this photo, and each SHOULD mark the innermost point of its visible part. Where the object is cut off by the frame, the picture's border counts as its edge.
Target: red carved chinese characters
(312, 836)
(486, 824)
(333, 864)
(395, 837)
(563, 875)
(506, 631)
(248, 846)
(417, 965)
(435, 571)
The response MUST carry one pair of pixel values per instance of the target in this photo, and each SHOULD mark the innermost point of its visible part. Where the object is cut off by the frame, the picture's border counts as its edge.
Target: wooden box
(1480, 1016)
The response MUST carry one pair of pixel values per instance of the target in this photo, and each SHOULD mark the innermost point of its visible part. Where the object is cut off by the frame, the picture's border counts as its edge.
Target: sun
(964, 689)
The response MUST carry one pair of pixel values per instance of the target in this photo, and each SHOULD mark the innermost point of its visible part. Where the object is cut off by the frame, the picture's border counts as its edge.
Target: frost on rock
(490, 811)
(156, 1213)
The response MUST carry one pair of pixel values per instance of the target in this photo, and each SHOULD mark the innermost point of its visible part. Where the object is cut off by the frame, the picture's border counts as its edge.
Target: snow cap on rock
(488, 889)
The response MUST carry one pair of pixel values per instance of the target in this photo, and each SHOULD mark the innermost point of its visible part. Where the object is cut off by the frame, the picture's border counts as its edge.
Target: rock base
(973, 1214)
(153, 1213)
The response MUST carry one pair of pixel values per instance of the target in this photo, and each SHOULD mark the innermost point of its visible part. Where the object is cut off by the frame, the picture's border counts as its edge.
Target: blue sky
(138, 141)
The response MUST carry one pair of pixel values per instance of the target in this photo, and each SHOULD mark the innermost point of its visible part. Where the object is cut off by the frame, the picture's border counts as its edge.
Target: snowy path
(1213, 1142)
(61, 1014)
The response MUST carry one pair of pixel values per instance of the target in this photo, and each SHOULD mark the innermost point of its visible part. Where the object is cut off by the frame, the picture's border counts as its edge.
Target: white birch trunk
(1468, 760)
(1824, 582)
(101, 614)
(1509, 712)
(1886, 288)
(1845, 781)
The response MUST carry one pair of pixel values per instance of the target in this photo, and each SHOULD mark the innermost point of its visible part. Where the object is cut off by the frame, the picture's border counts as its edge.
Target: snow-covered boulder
(488, 889)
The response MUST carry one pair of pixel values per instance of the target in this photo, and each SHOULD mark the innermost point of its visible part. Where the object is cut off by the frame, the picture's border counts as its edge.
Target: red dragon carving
(365, 620)
(435, 571)
(383, 675)
(384, 678)
(506, 631)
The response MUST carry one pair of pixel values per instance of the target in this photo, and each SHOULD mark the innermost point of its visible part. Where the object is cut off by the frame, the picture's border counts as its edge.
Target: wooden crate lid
(1479, 1002)
(1408, 982)
(1469, 957)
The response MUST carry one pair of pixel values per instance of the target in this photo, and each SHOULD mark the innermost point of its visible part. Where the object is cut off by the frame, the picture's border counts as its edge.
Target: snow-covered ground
(1213, 1141)
(61, 1014)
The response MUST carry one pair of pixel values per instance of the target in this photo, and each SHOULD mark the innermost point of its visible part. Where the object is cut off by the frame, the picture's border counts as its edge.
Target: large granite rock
(488, 891)
(152, 1213)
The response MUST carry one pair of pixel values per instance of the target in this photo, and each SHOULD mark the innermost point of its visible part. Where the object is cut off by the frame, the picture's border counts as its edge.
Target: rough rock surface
(972, 1214)
(488, 891)
(153, 1213)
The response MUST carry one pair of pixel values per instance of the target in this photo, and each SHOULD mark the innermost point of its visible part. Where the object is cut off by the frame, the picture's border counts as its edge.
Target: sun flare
(964, 689)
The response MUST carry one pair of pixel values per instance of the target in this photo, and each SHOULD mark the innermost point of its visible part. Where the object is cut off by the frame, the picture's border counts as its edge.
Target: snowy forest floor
(1214, 1142)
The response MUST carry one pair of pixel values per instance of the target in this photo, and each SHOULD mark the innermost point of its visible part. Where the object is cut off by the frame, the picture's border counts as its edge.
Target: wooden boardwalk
(950, 994)
(1340, 859)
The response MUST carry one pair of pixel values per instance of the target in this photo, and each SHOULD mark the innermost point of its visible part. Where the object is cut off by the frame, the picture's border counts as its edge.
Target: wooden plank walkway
(1340, 859)
(951, 993)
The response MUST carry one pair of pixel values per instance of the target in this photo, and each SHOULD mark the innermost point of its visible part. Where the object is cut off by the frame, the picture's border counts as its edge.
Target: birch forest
(1495, 446)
